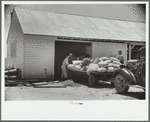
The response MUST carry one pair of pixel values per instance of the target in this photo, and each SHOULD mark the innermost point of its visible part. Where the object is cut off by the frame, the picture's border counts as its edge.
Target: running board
(137, 86)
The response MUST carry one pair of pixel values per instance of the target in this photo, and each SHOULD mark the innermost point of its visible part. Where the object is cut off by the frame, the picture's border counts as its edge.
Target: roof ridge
(83, 15)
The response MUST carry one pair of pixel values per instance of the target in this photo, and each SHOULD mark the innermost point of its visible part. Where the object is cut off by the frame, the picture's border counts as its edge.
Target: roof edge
(83, 16)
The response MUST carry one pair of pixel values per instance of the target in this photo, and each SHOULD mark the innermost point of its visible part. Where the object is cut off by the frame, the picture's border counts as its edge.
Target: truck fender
(127, 74)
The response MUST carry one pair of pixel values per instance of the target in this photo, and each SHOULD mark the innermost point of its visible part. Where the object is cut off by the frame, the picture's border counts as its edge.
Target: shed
(39, 41)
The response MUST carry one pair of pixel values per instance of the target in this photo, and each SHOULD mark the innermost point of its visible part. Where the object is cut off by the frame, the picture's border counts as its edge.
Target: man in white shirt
(64, 73)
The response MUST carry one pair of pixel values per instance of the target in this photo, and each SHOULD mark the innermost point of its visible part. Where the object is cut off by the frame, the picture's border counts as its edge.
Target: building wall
(100, 49)
(15, 43)
(39, 55)
(7, 16)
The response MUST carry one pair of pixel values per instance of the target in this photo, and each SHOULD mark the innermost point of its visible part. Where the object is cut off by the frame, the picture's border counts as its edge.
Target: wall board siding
(100, 49)
(15, 36)
(39, 55)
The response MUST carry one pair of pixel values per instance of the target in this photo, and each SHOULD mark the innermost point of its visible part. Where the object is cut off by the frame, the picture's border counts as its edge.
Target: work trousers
(64, 73)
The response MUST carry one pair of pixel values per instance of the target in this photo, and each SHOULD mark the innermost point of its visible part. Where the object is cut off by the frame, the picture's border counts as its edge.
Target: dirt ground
(70, 90)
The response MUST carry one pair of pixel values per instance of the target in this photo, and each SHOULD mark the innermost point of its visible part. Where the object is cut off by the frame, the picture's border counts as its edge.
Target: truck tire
(120, 84)
(92, 80)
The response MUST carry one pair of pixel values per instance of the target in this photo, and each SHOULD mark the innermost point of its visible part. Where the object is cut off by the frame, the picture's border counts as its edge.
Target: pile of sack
(102, 64)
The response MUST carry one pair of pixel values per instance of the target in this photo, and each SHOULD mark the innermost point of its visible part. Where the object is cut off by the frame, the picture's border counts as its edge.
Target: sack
(116, 66)
(108, 61)
(110, 69)
(101, 69)
(110, 65)
(77, 67)
(116, 62)
(76, 62)
(103, 64)
(100, 59)
(92, 67)
(104, 58)
(70, 66)
(113, 59)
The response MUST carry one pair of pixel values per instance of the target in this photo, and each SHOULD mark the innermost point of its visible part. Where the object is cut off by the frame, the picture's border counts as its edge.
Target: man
(121, 58)
(64, 73)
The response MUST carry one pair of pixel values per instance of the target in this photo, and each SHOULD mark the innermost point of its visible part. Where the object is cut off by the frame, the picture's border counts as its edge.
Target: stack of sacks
(102, 66)
(115, 63)
(92, 67)
(108, 64)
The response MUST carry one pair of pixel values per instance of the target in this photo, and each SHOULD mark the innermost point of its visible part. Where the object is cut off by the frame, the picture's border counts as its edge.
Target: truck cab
(132, 74)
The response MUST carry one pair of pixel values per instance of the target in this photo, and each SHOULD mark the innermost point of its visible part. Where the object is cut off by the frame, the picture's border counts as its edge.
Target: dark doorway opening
(63, 48)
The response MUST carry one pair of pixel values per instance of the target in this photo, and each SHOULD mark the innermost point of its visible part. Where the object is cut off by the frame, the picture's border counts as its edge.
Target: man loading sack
(66, 61)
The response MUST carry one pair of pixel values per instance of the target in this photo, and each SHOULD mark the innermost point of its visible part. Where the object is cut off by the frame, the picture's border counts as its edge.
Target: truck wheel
(120, 84)
(92, 80)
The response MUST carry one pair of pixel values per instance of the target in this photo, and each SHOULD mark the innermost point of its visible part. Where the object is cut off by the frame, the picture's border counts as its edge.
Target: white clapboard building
(39, 40)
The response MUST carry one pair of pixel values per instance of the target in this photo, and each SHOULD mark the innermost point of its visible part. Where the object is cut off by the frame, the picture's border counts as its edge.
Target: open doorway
(63, 48)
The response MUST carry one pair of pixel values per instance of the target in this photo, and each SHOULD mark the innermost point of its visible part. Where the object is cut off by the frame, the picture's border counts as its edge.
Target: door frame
(64, 40)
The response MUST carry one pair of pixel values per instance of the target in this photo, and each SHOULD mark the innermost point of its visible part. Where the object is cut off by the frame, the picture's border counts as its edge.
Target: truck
(92, 78)
(132, 74)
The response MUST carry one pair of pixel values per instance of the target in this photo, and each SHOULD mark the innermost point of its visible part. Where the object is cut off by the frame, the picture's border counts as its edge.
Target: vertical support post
(129, 51)
(92, 49)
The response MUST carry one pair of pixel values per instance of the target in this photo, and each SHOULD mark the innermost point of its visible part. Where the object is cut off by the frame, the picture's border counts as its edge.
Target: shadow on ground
(84, 81)
(138, 95)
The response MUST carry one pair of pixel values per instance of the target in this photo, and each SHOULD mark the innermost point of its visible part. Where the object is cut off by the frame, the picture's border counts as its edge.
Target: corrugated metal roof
(45, 23)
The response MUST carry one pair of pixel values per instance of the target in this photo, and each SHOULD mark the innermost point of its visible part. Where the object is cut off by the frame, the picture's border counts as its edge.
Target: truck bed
(80, 73)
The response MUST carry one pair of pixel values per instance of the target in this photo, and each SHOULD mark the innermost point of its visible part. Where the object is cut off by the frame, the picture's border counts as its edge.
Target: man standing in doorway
(66, 61)
(121, 58)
